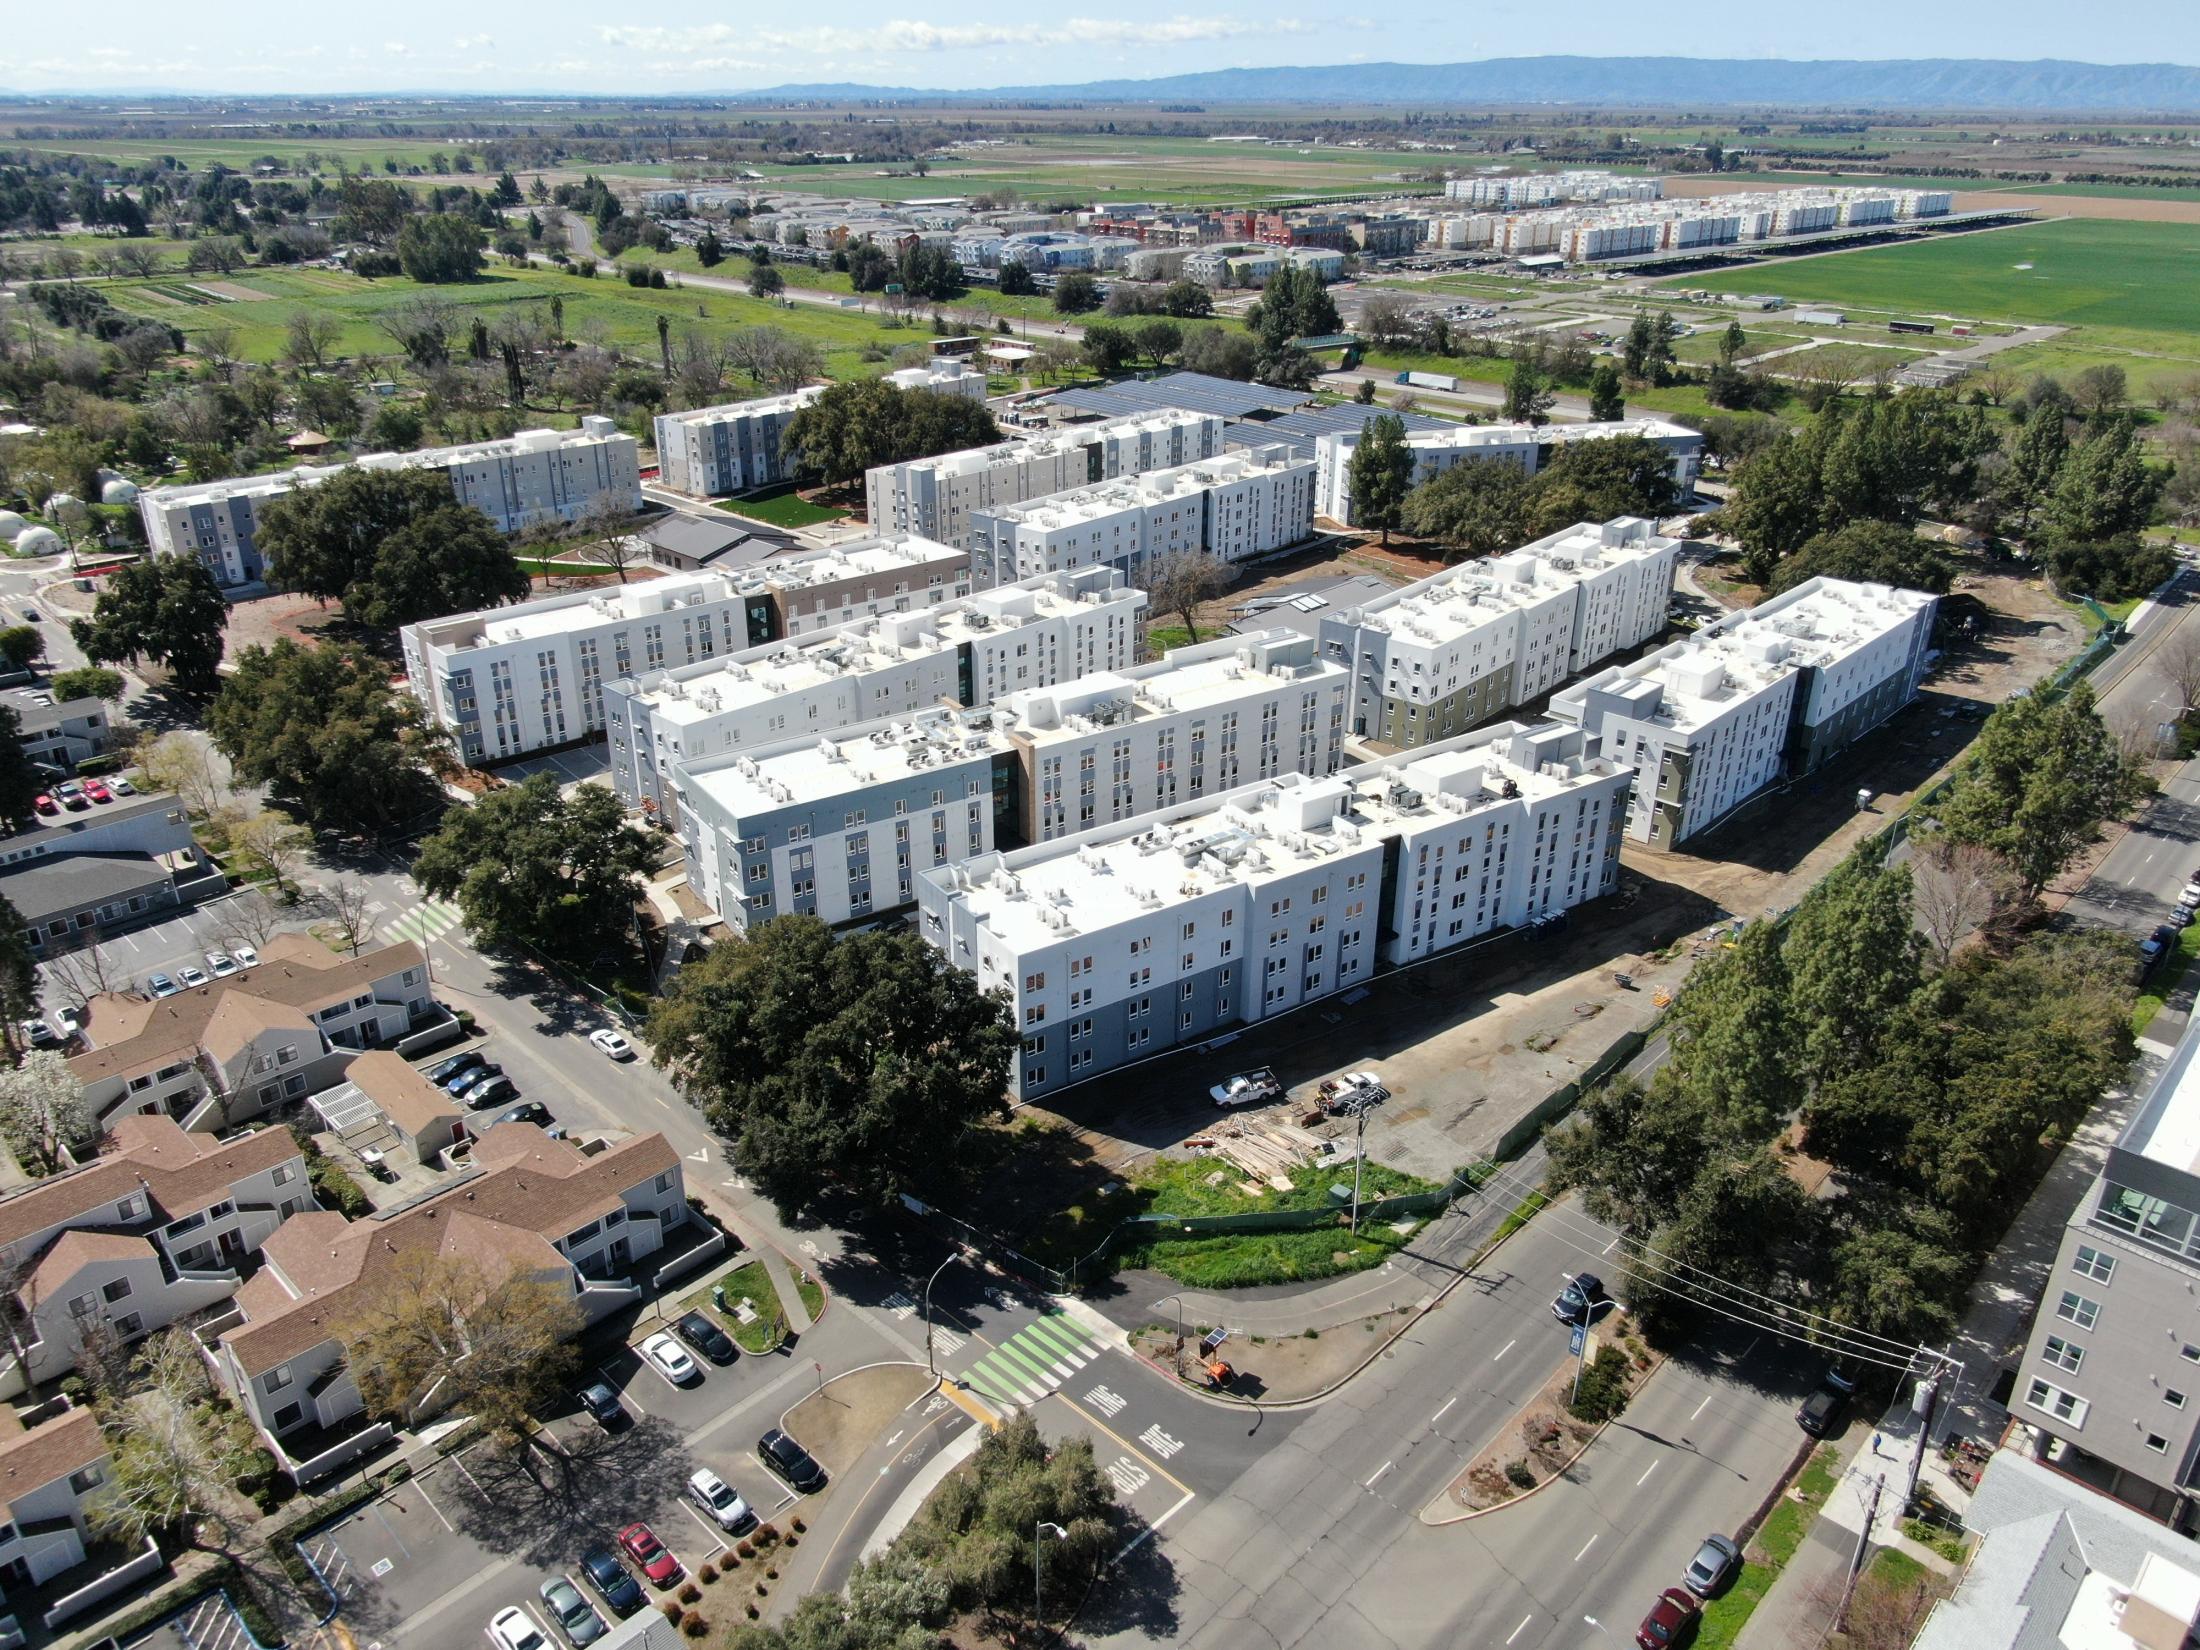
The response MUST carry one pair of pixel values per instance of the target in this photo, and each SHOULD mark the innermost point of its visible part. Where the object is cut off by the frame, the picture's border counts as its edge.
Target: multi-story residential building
(734, 447)
(580, 1222)
(2111, 1371)
(55, 1470)
(71, 876)
(966, 652)
(507, 681)
(59, 736)
(1527, 445)
(1757, 697)
(1435, 658)
(812, 825)
(1549, 188)
(220, 1054)
(1250, 502)
(943, 375)
(154, 1229)
(937, 497)
(1130, 939)
(534, 476)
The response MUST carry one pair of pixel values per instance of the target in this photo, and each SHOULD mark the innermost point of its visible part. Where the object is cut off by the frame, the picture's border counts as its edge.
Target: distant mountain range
(1640, 82)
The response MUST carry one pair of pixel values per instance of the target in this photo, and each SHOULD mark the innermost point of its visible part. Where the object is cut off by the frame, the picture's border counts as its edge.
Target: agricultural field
(259, 303)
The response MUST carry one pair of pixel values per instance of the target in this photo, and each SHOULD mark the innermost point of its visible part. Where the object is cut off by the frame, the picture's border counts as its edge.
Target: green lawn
(1777, 1540)
(781, 507)
(2164, 978)
(754, 1283)
(2135, 281)
(2108, 191)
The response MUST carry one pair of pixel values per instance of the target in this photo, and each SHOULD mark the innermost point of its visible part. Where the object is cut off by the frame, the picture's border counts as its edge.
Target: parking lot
(583, 765)
(211, 1623)
(429, 1561)
(132, 957)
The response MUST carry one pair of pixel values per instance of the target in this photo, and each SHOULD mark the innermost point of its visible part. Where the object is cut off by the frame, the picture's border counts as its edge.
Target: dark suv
(791, 1462)
(1824, 1410)
(706, 1337)
(1579, 1300)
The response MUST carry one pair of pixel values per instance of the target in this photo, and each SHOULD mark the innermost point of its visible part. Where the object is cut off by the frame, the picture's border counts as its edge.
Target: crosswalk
(430, 919)
(1033, 1362)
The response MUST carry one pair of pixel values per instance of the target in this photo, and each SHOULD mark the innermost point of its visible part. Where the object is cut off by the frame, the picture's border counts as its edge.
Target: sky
(589, 46)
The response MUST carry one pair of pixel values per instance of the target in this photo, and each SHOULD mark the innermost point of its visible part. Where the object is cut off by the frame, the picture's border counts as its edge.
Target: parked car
(601, 1569)
(639, 1542)
(1247, 1088)
(664, 1354)
(1713, 1567)
(466, 1079)
(603, 1405)
(191, 976)
(1578, 1301)
(221, 965)
(37, 1033)
(160, 985)
(706, 1337)
(790, 1462)
(45, 804)
(515, 1629)
(1671, 1621)
(73, 800)
(720, 1502)
(612, 1044)
(574, 1616)
(121, 786)
(527, 1111)
(67, 1021)
(495, 1091)
(245, 955)
(1352, 1093)
(1822, 1412)
(444, 1070)
(98, 792)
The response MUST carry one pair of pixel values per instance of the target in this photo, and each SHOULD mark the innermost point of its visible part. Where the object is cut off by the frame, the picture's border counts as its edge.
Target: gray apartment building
(59, 736)
(2109, 1388)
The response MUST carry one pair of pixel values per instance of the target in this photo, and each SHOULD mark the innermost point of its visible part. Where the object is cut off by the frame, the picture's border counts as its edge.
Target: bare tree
(215, 254)
(698, 367)
(2178, 659)
(102, 1357)
(278, 843)
(1826, 371)
(1956, 889)
(42, 1110)
(177, 1454)
(1388, 318)
(218, 343)
(309, 335)
(1179, 581)
(179, 763)
(775, 359)
(422, 327)
(347, 899)
(250, 919)
(85, 972)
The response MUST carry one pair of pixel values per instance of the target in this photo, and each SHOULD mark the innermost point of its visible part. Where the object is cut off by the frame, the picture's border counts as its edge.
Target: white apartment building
(812, 825)
(1757, 697)
(968, 652)
(1527, 445)
(1434, 658)
(1623, 226)
(506, 681)
(1130, 939)
(536, 475)
(1248, 503)
(1548, 188)
(942, 375)
(730, 448)
(936, 497)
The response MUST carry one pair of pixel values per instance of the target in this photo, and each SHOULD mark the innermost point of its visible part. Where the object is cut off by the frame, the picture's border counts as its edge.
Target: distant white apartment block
(1549, 188)
(1130, 939)
(967, 652)
(506, 681)
(1248, 503)
(730, 448)
(838, 827)
(937, 497)
(1528, 445)
(942, 375)
(534, 476)
(1756, 698)
(1435, 658)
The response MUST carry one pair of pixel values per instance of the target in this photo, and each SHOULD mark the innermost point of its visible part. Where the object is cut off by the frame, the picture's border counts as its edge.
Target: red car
(97, 792)
(1671, 1621)
(639, 1542)
(46, 804)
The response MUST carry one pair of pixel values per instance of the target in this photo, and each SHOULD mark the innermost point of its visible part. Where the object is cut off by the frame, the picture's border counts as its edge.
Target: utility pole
(1863, 1546)
(931, 1366)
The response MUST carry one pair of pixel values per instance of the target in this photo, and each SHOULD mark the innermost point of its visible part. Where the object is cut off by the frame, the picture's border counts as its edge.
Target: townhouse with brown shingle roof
(223, 1053)
(580, 1217)
(153, 1230)
(50, 1474)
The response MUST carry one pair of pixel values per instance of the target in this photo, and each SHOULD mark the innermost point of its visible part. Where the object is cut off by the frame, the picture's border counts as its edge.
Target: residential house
(73, 877)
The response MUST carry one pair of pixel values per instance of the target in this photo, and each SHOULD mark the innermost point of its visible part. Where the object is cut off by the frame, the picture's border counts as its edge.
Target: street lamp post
(931, 1367)
(1038, 1593)
(1179, 1299)
(1368, 1102)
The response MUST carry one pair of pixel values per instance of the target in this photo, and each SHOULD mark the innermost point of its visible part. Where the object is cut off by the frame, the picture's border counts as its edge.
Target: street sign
(1578, 1340)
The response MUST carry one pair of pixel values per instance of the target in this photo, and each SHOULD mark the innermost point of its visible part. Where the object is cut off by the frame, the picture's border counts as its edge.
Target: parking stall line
(1517, 1631)
(422, 1487)
(1585, 1546)
(388, 1528)
(711, 1532)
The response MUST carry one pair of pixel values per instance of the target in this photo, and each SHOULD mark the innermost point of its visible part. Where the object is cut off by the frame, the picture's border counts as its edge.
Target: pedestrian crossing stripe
(431, 919)
(1034, 1361)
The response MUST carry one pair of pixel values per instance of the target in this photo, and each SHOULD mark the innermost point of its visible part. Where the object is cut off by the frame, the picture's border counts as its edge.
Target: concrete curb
(1564, 1467)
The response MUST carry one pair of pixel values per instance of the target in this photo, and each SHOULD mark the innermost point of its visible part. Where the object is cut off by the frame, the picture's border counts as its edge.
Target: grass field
(2102, 191)
(620, 315)
(2129, 279)
(781, 507)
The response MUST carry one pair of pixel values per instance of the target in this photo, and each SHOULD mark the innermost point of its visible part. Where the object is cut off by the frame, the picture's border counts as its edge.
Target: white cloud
(397, 48)
(909, 36)
(473, 42)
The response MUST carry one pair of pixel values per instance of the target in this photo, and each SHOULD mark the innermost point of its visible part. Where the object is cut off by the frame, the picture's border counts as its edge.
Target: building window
(282, 1174)
(88, 1480)
(2172, 1397)
(2064, 1406)
(2062, 1354)
(129, 1324)
(2075, 1308)
(2157, 1443)
(119, 1290)
(2190, 1353)
(664, 1183)
(288, 1416)
(2091, 1263)
(278, 1378)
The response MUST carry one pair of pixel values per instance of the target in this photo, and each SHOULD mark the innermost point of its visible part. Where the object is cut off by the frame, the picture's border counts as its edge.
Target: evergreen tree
(2036, 457)
(1380, 473)
(1607, 401)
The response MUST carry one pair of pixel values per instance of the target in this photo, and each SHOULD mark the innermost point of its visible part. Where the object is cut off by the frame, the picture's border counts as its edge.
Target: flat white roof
(1143, 492)
(428, 458)
(814, 770)
(1462, 599)
(1279, 827)
(1186, 679)
(561, 615)
(1532, 435)
(1039, 445)
(748, 409)
(851, 561)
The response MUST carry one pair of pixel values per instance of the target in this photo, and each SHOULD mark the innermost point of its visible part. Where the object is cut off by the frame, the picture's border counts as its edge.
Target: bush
(746, 1550)
(672, 1610)
(707, 1574)
(695, 1626)
(689, 1593)
(1520, 1475)
(1603, 1386)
